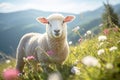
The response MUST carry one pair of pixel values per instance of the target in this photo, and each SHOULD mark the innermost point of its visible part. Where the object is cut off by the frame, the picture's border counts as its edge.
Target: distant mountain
(15, 24)
(91, 20)
(91, 15)
(95, 17)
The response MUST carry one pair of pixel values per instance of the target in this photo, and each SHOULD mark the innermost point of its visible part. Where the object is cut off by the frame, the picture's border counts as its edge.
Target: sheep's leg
(19, 62)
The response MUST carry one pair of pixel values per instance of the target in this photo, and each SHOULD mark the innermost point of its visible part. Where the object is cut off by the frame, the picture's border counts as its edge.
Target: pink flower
(10, 74)
(50, 52)
(106, 31)
(30, 58)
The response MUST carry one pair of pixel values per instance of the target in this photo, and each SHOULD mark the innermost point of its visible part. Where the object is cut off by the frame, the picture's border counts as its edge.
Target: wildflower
(90, 61)
(55, 76)
(20, 74)
(50, 52)
(109, 66)
(10, 74)
(100, 25)
(102, 38)
(76, 29)
(106, 31)
(101, 51)
(113, 48)
(30, 58)
(85, 35)
(7, 61)
(75, 70)
(80, 39)
(70, 42)
(24, 58)
(88, 32)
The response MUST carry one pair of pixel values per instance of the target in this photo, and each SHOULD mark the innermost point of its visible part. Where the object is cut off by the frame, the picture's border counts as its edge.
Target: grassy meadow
(93, 58)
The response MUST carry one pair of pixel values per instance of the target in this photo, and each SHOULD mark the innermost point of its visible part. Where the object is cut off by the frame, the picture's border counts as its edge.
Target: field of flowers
(93, 58)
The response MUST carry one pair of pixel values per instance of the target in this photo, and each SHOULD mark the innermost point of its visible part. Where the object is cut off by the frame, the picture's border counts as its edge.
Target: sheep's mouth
(57, 34)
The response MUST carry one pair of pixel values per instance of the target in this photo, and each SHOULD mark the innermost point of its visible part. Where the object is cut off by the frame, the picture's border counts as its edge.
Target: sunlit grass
(108, 67)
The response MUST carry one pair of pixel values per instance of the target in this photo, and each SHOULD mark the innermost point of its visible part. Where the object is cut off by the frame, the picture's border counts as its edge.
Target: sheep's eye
(49, 24)
(62, 22)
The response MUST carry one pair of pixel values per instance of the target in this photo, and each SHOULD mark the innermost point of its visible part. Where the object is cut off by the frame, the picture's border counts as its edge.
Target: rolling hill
(15, 24)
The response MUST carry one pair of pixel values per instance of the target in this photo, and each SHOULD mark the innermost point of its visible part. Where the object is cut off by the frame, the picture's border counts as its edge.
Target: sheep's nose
(56, 31)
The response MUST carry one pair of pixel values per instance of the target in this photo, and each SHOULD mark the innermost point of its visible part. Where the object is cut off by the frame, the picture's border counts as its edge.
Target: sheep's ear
(69, 18)
(42, 20)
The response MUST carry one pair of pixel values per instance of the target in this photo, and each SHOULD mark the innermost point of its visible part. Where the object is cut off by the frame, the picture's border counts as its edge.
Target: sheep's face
(56, 24)
(56, 28)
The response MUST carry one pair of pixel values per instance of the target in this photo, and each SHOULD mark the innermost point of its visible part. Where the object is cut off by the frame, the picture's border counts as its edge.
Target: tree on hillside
(110, 18)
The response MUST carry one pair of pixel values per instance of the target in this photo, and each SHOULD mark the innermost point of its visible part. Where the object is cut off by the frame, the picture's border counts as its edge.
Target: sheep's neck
(56, 44)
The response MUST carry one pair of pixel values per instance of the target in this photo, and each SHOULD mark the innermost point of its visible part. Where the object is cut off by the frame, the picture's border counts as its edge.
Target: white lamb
(55, 40)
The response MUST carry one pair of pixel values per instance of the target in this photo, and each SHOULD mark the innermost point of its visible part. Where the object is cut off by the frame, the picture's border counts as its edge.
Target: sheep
(54, 39)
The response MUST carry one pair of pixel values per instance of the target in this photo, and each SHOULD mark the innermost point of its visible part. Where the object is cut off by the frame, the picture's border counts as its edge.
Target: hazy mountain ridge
(97, 17)
(15, 24)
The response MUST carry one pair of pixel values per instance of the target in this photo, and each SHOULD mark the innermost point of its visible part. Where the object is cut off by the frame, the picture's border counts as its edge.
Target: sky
(69, 6)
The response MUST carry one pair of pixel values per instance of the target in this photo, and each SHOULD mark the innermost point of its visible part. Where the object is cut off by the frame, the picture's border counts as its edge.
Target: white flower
(85, 34)
(113, 48)
(55, 76)
(90, 61)
(102, 38)
(20, 74)
(109, 66)
(88, 32)
(8, 61)
(100, 25)
(76, 29)
(75, 70)
(101, 51)
(70, 42)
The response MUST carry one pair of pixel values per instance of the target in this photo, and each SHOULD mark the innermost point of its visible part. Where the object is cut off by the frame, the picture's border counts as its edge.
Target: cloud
(6, 6)
(46, 5)
(72, 6)
(58, 6)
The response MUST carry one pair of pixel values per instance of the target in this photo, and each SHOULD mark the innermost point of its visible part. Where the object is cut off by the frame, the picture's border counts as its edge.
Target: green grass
(77, 53)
